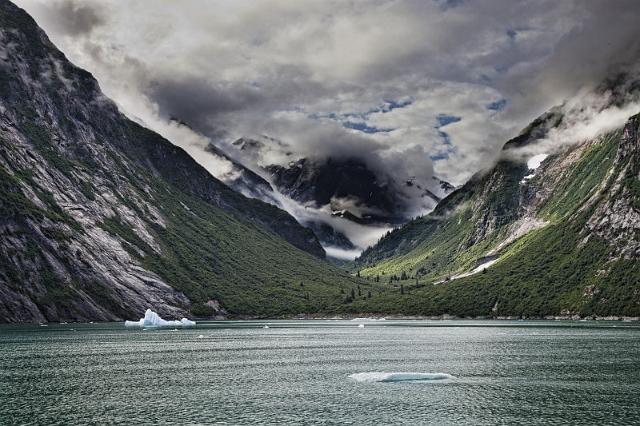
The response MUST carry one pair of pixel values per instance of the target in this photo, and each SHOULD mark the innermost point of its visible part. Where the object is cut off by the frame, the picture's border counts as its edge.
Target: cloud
(359, 78)
(362, 236)
(69, 17)
(585, 117)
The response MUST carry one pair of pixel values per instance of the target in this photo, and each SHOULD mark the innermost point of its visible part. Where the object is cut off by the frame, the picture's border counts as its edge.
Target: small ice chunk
(201, 336)
(360, 325)
(266, 326)
(384, 377)
(152, 319)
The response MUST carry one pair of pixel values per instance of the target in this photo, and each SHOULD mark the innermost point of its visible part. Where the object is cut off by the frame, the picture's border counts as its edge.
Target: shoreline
(445, 317)
(378, 317)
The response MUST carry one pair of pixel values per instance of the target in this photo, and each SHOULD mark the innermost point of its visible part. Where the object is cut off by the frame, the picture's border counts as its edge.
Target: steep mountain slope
(561, 239)
(340, 199)
(101, 218)
(244, 180)
(349, 184)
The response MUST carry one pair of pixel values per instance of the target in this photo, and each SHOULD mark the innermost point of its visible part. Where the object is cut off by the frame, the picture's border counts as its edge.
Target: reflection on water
(332, 372)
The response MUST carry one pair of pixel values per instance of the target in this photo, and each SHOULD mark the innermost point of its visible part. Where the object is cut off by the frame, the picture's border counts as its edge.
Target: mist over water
(298, 372)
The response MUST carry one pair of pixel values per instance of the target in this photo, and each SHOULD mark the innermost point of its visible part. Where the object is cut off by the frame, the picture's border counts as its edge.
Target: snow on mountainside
(344, 201)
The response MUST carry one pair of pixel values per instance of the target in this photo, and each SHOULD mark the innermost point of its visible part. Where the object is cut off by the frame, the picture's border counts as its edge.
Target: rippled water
(298, 372)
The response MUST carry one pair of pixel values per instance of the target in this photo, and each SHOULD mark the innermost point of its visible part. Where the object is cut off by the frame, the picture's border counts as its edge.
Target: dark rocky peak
(338, 183)
(538, 129)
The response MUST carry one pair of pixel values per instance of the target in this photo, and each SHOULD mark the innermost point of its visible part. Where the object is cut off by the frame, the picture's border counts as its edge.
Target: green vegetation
(446, 242)
(209, 242)
(209, 254)
(529, 282)
(552, 270)
(583, 179)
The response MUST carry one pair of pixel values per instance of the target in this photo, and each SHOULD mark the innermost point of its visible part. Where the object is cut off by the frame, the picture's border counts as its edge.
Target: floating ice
(368, 319)
(266, 326)
(360, 325)
(152, 319)
(382, 377)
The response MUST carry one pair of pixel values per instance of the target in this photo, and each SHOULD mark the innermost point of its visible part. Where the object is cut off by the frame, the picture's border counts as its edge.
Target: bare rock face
(617, 219)
(59, 185)
(80, 194)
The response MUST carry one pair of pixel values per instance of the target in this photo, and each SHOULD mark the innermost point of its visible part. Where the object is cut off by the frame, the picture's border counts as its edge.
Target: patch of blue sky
(449, 4)
(439, 156)
(358, 120)
(363, 127)
(498, 105)
(444, 119)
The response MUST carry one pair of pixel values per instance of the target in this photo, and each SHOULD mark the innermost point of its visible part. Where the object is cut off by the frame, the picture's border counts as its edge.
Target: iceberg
(384, 377)
(152, 319)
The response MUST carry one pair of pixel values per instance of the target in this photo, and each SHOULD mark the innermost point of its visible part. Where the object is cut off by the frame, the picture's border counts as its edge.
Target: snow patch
(152, 319)
(384, 377)
(518, 229)
(483, 266)
(533, 163)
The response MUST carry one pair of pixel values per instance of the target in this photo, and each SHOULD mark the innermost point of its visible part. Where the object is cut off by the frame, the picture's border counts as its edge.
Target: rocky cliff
(102, 218)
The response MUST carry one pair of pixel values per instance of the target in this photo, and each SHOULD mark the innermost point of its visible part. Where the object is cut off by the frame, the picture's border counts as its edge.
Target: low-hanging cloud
(368, 79)
(585, 117)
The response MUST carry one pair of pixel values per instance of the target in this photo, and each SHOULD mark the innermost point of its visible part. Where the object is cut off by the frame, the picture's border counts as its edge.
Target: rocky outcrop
(93, 207)
(617, 217)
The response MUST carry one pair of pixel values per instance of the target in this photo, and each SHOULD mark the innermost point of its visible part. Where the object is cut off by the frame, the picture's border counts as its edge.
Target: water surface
(297, 372)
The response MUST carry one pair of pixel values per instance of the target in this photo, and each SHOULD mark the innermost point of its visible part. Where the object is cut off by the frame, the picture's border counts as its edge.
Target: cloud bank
(412, 87)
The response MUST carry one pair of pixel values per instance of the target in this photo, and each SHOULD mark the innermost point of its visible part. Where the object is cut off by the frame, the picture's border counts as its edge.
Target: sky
(417, 86)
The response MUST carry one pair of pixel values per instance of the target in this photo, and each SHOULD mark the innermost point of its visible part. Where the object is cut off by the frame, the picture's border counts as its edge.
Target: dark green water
(297, 372)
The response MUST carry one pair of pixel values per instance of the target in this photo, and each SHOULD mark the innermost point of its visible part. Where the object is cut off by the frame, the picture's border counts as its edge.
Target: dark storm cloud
(199, 104)
(295, 70)
(72, 18)
(605, 43)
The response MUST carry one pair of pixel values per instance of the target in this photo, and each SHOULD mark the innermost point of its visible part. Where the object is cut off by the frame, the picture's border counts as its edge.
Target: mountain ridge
(103, 218)
(577, 213)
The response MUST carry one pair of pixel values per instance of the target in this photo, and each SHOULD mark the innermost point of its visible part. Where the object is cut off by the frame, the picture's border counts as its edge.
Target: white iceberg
(152, 319)
(384, 377)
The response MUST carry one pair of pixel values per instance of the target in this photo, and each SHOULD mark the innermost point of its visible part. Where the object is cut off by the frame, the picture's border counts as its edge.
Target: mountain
(328, 194)
(244, 180)
(351, 188)
(558, 234)
(101, 218)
